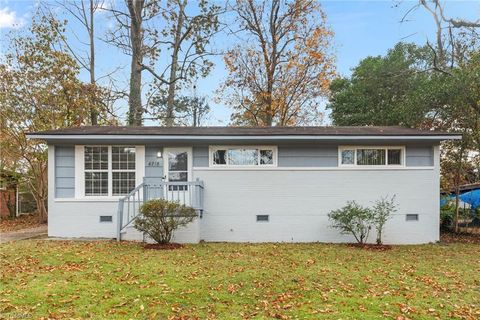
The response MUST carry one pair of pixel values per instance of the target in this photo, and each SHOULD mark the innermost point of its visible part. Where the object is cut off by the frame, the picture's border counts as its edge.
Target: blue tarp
(472, 198)
(445, 200)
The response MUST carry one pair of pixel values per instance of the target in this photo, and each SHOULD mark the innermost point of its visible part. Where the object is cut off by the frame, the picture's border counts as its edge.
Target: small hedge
(160, 218)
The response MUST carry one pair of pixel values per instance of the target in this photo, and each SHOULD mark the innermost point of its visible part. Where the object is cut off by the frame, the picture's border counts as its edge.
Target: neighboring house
(248, 184)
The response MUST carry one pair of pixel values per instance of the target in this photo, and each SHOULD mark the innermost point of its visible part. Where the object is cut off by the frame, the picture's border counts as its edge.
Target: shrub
(447, 216)
(160, 218)
(353, 219)
(382, 210)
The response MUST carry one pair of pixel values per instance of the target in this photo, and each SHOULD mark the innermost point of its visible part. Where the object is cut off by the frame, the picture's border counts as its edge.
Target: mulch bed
(371, 246)
(166, 246)
(450, 237)
(22, 222)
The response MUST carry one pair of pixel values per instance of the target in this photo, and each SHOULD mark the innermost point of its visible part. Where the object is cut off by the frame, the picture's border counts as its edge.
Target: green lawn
(40, 278)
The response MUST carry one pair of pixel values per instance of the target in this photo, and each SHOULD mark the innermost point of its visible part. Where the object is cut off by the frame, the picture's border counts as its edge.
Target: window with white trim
(123, 170)
(109, 170)
(243, 156)
(96, 170)
(371, 156)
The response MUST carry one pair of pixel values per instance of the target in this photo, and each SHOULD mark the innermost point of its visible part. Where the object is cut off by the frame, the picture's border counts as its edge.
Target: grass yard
(56, 279)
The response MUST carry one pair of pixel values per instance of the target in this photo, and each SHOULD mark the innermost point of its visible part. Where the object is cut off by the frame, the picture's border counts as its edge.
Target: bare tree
(455, 40)
(190, 110)
(136, 38)
(186, 38)
(84, 12)
(453, 36)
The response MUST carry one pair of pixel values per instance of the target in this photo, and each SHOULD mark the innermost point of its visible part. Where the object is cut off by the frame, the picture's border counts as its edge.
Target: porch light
(159, 154)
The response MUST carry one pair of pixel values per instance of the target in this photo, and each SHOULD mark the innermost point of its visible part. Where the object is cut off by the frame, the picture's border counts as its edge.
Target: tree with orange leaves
(281, 69)
(39, 90)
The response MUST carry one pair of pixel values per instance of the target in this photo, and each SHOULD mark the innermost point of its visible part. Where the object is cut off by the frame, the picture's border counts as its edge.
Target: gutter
(236, 137)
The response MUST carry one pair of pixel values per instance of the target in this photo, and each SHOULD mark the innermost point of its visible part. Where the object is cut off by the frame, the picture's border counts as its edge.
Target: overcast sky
(362, 28)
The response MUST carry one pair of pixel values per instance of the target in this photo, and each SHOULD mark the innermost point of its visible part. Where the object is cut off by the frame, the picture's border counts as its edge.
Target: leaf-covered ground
(56, 279)
(23, 222)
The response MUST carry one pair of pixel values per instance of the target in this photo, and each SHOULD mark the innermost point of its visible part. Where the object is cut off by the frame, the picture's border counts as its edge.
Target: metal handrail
(188, 192)
(121, 204)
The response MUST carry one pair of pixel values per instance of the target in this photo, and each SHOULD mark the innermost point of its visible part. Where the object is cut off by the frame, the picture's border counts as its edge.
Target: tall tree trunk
(135, 109)
(38, 186)
(195, 110)
(93, 110)
(269, 104)
(457, 187)
(170, 116)
(41, 209)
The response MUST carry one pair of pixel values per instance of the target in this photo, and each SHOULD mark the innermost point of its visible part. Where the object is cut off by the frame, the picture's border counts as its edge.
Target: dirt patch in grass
(371, 246)
(450, 237)
(22, 222)
(165, 246)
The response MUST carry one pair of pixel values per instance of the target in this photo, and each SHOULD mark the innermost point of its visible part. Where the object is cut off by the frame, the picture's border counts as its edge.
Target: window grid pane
(123, 170)
(237, 156)
(96, 158)
(266, 157)
(243, 157)
(123, 158)
(122, 182)
(96, 170)
(220, 157)
(394, 156)
(96, 183)
(371, 157)
(348, 156)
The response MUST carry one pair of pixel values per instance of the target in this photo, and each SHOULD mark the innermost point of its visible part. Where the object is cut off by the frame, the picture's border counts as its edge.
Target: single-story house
(249, 184)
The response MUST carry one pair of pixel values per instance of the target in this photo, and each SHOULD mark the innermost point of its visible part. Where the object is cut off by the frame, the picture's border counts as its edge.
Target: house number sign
(153, 164)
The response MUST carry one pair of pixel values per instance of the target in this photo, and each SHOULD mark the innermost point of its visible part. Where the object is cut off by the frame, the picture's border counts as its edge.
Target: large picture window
(371, 156)
(109, 170)
(243, 156)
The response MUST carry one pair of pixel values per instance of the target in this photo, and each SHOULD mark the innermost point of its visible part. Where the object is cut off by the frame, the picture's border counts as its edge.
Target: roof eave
(58, 137)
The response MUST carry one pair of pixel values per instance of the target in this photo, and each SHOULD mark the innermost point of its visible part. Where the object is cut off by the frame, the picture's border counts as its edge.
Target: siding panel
(307, 156)
(153, 165)
(419, 156)
(298, 203)
(200, 156)
(64, 171)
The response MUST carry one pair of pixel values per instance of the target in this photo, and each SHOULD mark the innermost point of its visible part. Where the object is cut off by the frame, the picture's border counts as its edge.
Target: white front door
(178, 168)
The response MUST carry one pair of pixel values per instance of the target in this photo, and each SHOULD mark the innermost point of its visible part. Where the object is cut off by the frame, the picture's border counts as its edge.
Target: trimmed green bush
(160, 218)
(357, 220)
(353, 219)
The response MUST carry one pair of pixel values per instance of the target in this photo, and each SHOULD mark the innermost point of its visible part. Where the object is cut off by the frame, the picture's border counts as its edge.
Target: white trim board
(213, 148)
(80, 172)
(382, 168)
(256, 138)
(403, 158)
(89, 199)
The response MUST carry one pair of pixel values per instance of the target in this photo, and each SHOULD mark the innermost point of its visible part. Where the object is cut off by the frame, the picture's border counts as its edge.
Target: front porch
(189, 193)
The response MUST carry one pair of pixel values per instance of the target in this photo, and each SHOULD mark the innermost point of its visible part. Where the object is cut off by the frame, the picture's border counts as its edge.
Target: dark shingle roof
(244, 131)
